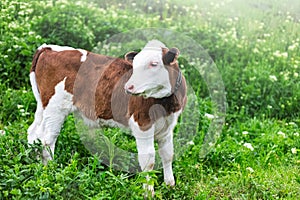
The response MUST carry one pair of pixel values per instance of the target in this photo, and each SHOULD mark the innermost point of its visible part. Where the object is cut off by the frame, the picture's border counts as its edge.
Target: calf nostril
(130, 87)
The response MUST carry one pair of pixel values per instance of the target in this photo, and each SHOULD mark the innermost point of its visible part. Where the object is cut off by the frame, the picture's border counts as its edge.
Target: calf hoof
(149, 191)
(170, 182)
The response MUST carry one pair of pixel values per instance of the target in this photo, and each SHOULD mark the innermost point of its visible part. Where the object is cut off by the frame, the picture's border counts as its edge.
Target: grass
(257, 156)
(270, 171)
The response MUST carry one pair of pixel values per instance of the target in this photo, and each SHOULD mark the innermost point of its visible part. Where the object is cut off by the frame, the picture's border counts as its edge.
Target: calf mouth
(146, 93)
(135, 94)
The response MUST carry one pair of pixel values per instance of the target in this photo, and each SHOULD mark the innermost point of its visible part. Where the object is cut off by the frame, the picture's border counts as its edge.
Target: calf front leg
(146, 157)
(146, 151)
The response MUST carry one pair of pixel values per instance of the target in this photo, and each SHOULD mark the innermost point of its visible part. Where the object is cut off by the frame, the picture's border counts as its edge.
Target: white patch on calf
(56, 47)
(84, 55)
(61, 100)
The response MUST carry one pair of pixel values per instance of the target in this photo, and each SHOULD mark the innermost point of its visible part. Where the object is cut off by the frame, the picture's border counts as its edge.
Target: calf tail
(33, 82)
(34, 86)
(36, 56)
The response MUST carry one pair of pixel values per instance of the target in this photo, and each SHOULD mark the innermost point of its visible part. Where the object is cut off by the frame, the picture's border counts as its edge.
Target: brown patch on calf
(141, 110)
(36, 58)
(93, 87)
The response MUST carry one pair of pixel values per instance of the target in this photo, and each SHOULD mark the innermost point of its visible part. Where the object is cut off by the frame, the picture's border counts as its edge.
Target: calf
(145, 92)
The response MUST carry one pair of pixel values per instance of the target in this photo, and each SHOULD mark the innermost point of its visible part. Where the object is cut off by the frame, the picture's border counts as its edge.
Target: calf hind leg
(32, 130)
(38, 116)
(53, 116)
(48, 132)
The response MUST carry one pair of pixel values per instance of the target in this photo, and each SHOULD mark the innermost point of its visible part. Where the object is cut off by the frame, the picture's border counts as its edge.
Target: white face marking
(65, 48)
(150, 78)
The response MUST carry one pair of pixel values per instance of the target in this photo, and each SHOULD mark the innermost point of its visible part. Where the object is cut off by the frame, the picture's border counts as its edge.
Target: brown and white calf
(145, 92)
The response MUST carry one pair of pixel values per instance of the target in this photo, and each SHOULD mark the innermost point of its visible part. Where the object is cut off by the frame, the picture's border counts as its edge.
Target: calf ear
(130, 55)
(170, 56)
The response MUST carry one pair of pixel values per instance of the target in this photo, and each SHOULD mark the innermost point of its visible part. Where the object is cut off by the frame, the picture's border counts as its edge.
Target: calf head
(150, 76)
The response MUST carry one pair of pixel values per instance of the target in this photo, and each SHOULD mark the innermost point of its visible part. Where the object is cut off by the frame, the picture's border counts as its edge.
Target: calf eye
(154, 64)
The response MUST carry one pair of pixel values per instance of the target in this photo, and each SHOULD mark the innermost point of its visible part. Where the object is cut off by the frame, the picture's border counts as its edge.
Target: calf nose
(129, 89)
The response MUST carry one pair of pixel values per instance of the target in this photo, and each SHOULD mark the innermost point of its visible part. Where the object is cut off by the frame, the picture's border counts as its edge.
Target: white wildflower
(261, 25)
(25, 114)
(255, 50)
(296, 134)
(249, 146)
(280, 55)
(269, 107)
(245, 132)
(190, 142)
(209, 116)
(294, 150)
(2, 132)
(20, 106)
(273, 78)
(293, 46)
(281, 133)
(284, 54)
(250, 169)
(292, 124)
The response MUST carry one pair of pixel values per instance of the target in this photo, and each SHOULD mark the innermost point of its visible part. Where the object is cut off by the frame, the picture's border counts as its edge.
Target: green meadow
(255, 48)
